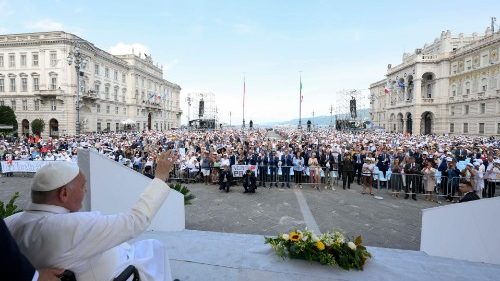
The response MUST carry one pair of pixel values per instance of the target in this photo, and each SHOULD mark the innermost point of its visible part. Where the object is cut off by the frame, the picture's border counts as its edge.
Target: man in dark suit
(340, 161)
(347, 171)
(412, 170)
(383, 162)
(468, 191)
(249, 182)
(262, 161)
(359, 160)
(225, 178)
(419, 161)
(307, 155)
(232, 159)
(15, 266)
(286, 164)
(273, 168)
(251, 158)
(460, 153)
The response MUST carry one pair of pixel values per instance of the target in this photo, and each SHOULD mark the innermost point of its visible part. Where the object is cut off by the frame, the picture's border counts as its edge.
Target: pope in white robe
(90, 244)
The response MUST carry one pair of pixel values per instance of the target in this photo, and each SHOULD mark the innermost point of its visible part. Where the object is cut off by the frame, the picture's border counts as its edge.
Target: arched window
(467, 87)
(484, 84)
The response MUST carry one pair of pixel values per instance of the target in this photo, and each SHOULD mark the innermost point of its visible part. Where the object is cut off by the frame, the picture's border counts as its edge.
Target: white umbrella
(128, 122)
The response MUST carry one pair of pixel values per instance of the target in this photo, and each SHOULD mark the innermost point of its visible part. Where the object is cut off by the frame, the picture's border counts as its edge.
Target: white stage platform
(201, 255)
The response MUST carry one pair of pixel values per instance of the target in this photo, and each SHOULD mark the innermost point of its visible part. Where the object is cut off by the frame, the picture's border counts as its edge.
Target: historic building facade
(116, 92)
(449, 86)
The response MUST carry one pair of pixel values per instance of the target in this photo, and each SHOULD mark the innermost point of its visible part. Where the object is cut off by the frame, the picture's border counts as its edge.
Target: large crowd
(405, 164)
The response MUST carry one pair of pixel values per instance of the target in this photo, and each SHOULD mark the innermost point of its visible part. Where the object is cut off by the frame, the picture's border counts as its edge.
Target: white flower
(285, 236)
(304, 238)
(351, 245)
(315, 238)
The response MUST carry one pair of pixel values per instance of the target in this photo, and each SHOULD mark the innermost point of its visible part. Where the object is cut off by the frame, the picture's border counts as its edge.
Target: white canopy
(128, 122)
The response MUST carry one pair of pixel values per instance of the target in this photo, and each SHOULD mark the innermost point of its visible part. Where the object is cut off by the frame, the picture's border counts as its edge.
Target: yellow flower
(295, 236)
(320, 245)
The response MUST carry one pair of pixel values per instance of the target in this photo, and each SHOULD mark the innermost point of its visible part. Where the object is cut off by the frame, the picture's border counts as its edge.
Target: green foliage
(329, 248)
(185, 191)
(10, 208)
(37, 126)
(7, 117)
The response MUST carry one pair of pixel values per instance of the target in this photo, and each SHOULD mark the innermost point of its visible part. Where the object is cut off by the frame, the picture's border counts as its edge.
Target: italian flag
(386, 89)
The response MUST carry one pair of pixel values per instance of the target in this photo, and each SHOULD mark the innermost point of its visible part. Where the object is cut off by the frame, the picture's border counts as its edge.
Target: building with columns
(116, 92)
(448, 86)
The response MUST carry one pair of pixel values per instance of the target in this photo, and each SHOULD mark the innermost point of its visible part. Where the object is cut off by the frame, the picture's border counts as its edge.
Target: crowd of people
(405, 164)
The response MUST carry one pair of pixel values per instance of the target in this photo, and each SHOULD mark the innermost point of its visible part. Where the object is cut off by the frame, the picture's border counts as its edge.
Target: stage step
(203, 255)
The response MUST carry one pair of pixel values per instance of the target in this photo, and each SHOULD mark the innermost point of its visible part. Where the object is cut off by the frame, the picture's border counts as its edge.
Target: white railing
(477, 43)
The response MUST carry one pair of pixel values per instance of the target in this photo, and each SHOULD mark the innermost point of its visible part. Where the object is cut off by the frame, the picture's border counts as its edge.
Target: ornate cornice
(84, 44)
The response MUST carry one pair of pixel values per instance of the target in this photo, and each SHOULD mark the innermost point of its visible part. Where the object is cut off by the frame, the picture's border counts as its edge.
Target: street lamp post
(80, 61)
(189, 100)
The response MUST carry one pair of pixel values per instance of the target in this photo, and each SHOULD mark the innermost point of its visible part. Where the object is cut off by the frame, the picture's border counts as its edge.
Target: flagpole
(244, 90)
(300, 100)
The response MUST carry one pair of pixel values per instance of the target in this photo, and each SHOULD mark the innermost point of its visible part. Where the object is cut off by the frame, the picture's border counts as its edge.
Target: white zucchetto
(54, 175)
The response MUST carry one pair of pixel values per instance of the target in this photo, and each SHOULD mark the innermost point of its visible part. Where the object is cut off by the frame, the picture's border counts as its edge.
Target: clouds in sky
(208, 45)
(46, 24)
(123, 48)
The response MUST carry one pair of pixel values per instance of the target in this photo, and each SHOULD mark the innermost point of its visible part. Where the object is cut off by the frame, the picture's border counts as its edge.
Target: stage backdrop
(466, 231)
(114, 188)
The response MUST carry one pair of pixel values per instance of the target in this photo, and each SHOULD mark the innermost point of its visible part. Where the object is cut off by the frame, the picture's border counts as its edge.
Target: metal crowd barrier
(278, 176)
(183, 174)
(414, 184)
(394, 183)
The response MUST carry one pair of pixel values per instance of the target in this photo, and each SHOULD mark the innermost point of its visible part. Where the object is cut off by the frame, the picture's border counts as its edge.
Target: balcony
(429, 100)
(151, 104)
(452, 98)
(90, 95)
(49, 93)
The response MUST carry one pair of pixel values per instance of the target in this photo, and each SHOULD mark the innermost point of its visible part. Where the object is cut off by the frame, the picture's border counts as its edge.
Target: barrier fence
(395, 183)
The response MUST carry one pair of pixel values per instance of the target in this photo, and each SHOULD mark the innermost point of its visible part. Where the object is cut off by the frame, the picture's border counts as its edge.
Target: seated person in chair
(52, 233)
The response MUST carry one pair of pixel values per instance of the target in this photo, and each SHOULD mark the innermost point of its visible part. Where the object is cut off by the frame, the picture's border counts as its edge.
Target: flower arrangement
(330, 248)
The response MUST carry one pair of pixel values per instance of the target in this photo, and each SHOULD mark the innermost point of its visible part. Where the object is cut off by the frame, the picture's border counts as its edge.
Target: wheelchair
(130, 271)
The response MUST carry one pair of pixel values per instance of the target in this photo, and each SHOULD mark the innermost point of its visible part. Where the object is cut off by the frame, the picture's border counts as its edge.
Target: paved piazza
(392, 223)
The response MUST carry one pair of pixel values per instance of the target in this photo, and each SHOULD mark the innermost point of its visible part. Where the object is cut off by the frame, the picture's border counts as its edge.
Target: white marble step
(202, 255)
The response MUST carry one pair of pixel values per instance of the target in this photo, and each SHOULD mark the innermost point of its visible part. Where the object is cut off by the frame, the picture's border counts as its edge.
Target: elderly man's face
(75, 192)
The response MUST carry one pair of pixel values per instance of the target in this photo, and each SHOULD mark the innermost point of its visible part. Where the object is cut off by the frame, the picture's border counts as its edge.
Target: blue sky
(208, 45)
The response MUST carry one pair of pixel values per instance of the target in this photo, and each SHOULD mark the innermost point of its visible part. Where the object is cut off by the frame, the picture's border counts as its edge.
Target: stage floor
(203, 255)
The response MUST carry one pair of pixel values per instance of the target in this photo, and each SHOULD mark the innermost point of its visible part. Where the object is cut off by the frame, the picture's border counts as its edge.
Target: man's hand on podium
(164, 164)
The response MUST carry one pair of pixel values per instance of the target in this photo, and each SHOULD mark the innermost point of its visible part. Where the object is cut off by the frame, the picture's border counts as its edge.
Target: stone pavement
(390, 223)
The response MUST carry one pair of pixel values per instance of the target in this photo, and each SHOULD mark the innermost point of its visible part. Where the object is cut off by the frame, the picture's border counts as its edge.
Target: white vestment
(92, 244)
